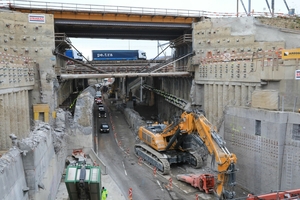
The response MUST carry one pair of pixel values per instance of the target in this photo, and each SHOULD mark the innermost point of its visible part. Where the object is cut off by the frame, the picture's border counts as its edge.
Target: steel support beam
(118, 75)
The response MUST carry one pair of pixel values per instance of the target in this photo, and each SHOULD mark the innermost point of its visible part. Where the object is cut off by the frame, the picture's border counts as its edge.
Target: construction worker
(103, 193)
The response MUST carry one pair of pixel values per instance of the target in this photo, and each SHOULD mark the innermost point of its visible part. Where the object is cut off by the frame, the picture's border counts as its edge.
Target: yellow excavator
(188, 140)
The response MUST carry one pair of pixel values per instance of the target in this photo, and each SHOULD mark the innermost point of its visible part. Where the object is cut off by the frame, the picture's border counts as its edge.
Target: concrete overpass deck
(114, 22)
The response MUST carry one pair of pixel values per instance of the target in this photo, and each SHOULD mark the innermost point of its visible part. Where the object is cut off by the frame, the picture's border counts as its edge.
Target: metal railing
(94, 8)
(58, 6)
(183, 39)
(62, 37)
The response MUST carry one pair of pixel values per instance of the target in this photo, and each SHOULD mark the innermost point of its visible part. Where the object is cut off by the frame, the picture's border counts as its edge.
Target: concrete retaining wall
(12, 177)
(269, 161)
(33, 168)
(28, 77)
(235, 56)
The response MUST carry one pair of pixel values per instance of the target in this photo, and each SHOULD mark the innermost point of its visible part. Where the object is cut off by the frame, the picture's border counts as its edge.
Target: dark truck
(102, 112)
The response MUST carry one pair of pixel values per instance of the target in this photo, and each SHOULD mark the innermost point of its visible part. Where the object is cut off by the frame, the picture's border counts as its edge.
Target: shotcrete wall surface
(267, 148)
(28, 75)
(133, 119)
(31, 40)
(12, 176)
(81, 131)
(33, 168)
(236, 56)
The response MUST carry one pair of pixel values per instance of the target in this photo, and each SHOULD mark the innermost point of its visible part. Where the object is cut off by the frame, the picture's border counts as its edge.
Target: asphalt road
(116, 151)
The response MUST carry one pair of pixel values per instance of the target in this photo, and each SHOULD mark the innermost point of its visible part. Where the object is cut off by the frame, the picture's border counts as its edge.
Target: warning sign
(36, 18)
(297, 74)
(290, 54)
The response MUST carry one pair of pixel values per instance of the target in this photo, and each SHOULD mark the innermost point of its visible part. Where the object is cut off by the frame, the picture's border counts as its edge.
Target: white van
(98, 94)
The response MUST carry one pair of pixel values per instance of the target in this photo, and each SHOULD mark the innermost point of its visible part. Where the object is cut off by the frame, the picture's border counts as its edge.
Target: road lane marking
(124, 168)
(159, 185)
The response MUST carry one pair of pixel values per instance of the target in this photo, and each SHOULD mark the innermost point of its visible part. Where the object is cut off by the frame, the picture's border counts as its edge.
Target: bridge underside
(121, 30)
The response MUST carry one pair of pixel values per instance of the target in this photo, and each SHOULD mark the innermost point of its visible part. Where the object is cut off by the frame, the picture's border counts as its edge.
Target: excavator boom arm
(216, 146)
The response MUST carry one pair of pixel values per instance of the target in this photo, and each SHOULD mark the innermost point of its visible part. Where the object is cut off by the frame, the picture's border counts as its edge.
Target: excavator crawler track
(198, 159)
(153, 158)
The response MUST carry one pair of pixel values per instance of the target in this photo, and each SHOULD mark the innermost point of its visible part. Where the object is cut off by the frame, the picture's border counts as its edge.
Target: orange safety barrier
(130, 193)
(154, 171)
(95, 163)
(140, 160)
(170, 183)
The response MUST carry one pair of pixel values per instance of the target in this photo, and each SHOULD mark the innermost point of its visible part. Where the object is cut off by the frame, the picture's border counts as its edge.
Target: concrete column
(175, 84)
(2, 124)
(18, 104)
(225, 96)
(209, 111)
(7, 120)
(231, 95)
(26, 113)
(188, 83)
(24, 118)
(220, 102)
(141, 90)
(250, 91)
(244, 95)
(215, 104)
(237, 95)
(173, 91)
(206, 99)
(124, 87)
(13, 115)
(180, 88)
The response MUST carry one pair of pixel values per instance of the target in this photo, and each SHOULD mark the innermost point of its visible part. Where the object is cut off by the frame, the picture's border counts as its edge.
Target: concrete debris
(58, 140)
(8, 158)
(58, 133)
(78, 156)
(70, 120)
(14, 138)
(70, 160)
(40, 125)
(60, 121)
(39, 134)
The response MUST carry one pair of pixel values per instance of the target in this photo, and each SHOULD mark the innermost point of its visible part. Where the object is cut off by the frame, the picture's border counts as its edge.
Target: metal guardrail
(93, 8)
(93, 155)
(58, 6)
